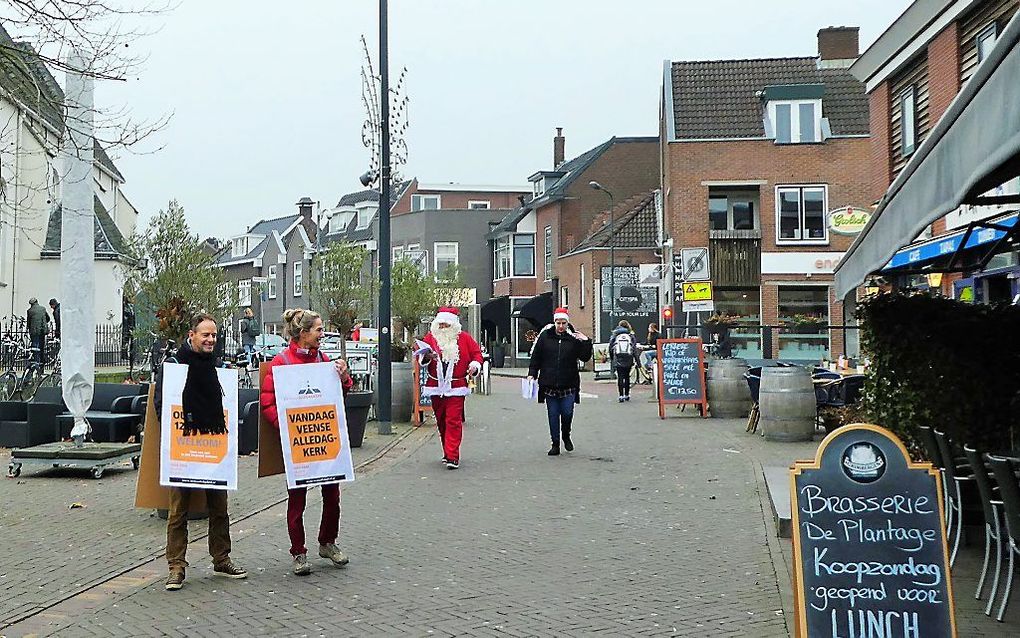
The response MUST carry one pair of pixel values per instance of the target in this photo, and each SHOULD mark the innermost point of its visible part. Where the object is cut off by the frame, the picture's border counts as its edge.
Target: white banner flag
(207, 461)
(313, 426)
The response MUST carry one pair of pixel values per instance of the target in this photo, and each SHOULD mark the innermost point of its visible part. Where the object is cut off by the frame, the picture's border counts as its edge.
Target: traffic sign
(698, 291)
(694, 264)
(699, 306)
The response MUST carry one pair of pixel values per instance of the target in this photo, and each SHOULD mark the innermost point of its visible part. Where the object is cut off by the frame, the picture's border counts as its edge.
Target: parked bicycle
(152, 358)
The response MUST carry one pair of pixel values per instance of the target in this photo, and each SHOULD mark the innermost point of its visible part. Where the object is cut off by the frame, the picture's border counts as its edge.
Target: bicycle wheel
(8, 385)
(51, 380)
(30, 382)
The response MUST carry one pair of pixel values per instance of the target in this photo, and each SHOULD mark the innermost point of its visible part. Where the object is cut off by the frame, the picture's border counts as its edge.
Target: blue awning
(955, 251)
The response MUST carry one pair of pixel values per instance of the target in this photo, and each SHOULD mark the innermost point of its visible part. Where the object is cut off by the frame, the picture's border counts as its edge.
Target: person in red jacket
(453, 357)
(304, 329)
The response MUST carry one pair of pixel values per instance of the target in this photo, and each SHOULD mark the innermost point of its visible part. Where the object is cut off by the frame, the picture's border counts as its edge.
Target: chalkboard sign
(681, 366)
(869, 540)
(422, 401)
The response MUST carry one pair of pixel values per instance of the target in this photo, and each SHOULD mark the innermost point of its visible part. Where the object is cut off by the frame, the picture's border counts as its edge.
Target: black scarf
(203, 395)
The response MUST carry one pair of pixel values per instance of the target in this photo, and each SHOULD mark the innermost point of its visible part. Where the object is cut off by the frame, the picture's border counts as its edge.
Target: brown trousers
(177, 526)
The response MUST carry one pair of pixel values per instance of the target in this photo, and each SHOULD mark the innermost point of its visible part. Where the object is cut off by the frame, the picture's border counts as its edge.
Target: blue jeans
(648, 356)
(560, 410)
(39, 343)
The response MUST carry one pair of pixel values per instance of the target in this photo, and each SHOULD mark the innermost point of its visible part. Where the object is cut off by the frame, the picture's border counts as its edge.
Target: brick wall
(457, 199)
(515, 287)
(881, 141)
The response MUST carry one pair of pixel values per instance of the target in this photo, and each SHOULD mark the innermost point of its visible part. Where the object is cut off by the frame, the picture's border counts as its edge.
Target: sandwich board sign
(682, 379)
(869, 540)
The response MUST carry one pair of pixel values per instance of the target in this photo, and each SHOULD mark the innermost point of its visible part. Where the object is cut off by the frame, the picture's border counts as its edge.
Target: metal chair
(991, 505)
(753, 378)
(931, 450)
(1004, 469)
(955, 475)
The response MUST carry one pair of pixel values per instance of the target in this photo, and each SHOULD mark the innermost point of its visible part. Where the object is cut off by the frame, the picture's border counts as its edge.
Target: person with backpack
(250, 330)
(622, 350)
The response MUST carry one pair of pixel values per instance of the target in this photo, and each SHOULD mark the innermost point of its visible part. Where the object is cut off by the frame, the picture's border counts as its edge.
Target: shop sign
(848, 220)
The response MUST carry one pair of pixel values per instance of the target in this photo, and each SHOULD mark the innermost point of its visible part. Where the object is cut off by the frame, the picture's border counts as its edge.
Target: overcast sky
(267, 109)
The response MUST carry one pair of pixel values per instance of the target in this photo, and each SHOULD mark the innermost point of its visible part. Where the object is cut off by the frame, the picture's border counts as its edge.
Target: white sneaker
(333, 553)
(301, 566)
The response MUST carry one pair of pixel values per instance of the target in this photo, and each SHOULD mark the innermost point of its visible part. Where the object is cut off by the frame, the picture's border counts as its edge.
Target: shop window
(804, 317)
(744, 306)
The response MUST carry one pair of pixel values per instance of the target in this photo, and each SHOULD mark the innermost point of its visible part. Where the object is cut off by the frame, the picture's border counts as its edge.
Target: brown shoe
(175, 580)
(229, 570)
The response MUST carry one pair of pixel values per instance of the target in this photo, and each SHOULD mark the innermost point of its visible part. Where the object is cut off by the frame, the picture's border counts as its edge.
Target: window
(582, 285)
(804, 311)
(239, 247)
(398, 253)
(365, 217)
(297, 278)
(733, 209)
(244, 292)
(501, 258)
(224, 290)
(537, 187)
(564, 297)
(272, 282)
(797, 122)
(444, 254)
(475, 204)
(524, 255)
(985, 40)
(908, 120)
(417, 256)
(425, 202)
(801, 214)
(548, 252)
(743, 305)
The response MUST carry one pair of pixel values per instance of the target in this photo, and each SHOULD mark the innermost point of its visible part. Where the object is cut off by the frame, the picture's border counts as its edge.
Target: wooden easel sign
(681, 363)
(869, 541)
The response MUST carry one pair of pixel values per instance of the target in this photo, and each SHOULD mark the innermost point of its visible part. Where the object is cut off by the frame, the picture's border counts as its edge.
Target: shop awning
(496, 318)
(538, 310)
(974, 148)
(967, 249)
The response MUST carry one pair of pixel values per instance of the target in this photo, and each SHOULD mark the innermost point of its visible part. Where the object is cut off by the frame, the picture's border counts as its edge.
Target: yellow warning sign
(698, 291)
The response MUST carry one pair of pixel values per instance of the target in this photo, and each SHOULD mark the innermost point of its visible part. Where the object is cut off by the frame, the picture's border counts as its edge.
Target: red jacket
(469, 352)
(267, 393)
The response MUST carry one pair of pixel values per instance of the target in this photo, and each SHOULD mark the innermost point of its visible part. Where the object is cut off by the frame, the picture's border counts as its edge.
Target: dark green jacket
(38, 320)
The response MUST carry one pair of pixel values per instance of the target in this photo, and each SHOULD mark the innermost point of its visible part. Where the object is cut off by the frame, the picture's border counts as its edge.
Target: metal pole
(385, 381)
(612, 264)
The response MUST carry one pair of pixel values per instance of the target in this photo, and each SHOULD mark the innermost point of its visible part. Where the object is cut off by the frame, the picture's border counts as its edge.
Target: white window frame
(911, 93)
(298, 278)
(731, 198)
(244, 292)
(366, 214)
(435, 255)
(825, 215)
(513, 254)
(224, 290)
(581, 286)
(990, 30)
(479, 204)
(795, 120)
(503, 253)
(547, 247)
(418, 201)
(398, 253)
(271, 284)
(537, 188)
(564, 297)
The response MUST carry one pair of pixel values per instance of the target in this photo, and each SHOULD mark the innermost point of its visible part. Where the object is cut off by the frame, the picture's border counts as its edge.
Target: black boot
(567, 443)
(555, 449)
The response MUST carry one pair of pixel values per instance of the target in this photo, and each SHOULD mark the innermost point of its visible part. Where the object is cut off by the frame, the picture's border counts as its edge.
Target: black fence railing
(795, 342)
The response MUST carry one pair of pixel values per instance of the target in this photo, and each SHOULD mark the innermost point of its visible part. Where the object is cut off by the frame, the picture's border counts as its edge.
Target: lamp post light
(612, 254)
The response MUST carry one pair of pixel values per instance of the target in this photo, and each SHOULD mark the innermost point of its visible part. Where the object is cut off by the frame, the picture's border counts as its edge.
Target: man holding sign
(196, 433)
(314, 431)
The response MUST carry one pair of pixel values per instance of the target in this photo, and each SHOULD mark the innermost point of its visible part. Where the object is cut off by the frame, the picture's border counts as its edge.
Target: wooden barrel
(728, 396)
(787, 404)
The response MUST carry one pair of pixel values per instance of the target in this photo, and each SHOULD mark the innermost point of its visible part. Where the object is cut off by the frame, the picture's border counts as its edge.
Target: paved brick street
(647, 528)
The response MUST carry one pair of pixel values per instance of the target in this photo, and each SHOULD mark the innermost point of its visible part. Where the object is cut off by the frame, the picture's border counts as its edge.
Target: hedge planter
(356, 406)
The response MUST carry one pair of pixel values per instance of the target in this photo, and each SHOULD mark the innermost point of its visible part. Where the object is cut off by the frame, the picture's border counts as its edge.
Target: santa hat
(561, 313)
(448, 314)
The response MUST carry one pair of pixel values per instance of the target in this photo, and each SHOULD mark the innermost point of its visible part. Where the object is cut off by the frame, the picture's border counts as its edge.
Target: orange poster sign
(195, 448)
(314, 433)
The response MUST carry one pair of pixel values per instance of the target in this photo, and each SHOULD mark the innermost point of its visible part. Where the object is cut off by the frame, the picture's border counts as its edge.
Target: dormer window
(538, 187)
(239, 247)
(793, 113)
(365, 217)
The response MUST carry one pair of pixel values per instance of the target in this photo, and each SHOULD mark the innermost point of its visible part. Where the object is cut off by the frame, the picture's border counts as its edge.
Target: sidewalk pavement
(650, 527)
(50, 552)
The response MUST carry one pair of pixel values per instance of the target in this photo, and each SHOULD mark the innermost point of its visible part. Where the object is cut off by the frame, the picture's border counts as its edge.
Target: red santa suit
(447, 383)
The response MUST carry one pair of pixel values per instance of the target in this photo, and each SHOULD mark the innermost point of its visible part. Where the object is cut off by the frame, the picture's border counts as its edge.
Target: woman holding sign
(304, 329)
(554, 359)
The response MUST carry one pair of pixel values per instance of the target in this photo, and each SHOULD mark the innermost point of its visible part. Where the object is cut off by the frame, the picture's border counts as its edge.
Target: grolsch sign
(848, 220)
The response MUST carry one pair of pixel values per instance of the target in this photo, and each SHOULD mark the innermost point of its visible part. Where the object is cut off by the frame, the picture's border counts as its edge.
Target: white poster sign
(313, 426)
(699, 306)
(208, 461)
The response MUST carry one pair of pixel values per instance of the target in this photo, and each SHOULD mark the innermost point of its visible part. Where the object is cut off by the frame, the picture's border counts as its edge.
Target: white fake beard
(446, 338)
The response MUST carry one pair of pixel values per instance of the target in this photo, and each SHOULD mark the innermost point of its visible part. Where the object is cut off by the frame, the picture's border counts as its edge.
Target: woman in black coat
(554, 359)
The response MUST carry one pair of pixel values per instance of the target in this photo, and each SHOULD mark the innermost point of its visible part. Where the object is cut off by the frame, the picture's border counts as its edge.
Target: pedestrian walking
(304, 329)
(622, 349)
(554, 358)
(38, 325)
(203, 414)
(454, 356)
(55, 309)
(250, 330)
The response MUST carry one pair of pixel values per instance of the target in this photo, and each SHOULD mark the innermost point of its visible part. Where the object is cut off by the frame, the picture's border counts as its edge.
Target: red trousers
(329, 528)
(450, 420)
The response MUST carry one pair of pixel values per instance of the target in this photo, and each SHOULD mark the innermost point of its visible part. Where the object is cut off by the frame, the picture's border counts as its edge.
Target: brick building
(527, 243)
(913, 72)
(763, 162)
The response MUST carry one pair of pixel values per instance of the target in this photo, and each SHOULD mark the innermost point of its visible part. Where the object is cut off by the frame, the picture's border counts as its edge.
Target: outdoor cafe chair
(991, 505)
(955, 475)
(1004, 469)
(753, 378)
(932, 452)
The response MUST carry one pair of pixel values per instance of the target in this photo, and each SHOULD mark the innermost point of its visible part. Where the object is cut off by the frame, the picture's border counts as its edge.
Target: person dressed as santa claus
(454, 356)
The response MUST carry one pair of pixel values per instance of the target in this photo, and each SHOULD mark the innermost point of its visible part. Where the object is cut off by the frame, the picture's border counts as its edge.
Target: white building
(30, 127)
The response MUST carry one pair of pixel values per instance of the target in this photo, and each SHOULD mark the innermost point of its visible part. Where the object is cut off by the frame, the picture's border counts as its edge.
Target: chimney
(558, 147)
(838, 43)
(304, 206)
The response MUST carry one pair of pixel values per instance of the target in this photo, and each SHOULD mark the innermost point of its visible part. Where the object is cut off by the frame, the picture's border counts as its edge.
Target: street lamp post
(612, 254)
(384, 406)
